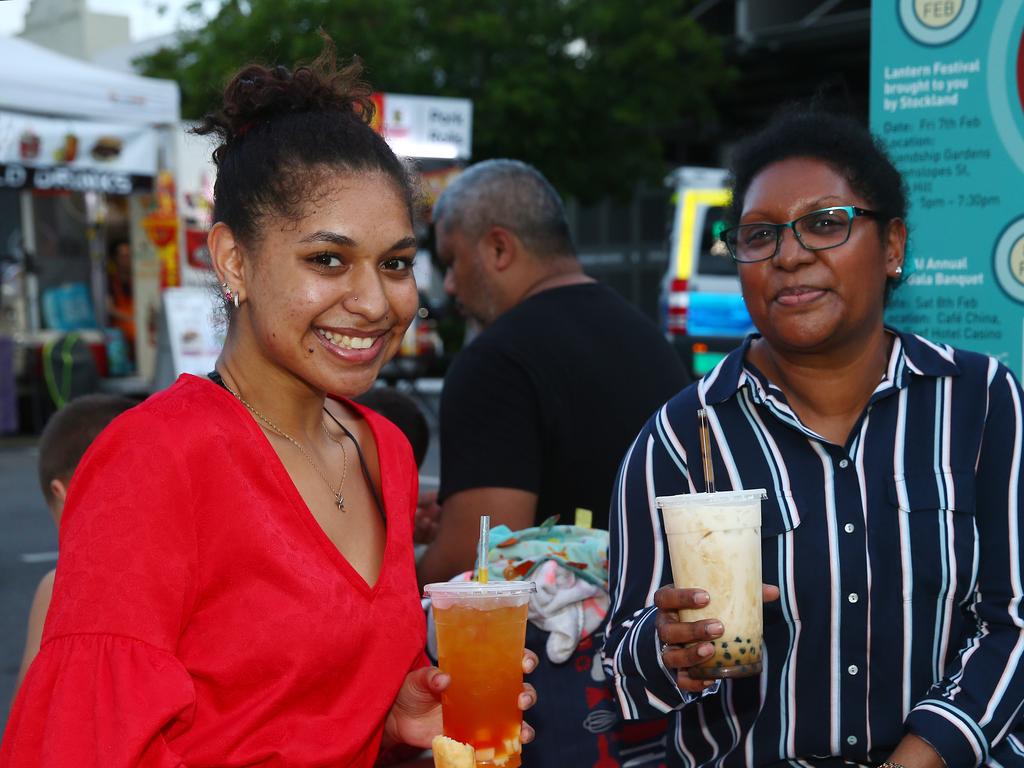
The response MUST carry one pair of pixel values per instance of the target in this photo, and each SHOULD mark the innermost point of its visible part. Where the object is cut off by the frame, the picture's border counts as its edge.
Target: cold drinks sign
(947, 99)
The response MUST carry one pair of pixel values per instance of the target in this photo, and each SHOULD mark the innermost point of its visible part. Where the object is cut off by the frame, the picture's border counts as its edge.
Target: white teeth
(347, 342)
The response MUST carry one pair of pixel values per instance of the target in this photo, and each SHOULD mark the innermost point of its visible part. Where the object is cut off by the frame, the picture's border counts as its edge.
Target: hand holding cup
(687, 644)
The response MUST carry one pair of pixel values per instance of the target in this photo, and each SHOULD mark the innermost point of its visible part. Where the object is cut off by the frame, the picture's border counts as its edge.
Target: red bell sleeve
(106, 688)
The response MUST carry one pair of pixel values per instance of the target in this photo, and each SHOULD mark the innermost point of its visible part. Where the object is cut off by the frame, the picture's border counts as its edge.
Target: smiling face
(811, 301)
(329, 295)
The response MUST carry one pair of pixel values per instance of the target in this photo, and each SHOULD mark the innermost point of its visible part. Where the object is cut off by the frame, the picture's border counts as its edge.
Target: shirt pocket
(937, 533)
(779, 518)
(779, 514)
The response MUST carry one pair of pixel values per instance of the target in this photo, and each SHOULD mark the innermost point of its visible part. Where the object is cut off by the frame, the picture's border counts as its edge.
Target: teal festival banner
(947, 100)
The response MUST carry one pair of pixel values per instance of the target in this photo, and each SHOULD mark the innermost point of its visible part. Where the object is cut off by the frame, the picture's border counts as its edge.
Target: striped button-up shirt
(897, 556)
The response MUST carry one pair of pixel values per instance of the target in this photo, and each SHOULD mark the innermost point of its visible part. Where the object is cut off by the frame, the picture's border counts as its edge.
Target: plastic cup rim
(476, 589)
(723, 497)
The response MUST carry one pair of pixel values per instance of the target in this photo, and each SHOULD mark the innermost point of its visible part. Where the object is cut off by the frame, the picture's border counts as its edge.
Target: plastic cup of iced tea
(714, 543)
(481, 630)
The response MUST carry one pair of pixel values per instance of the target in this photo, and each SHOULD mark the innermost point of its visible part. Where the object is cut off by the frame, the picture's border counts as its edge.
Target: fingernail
(525, 701)
(705, 650)
(529, 664)
(701, 598)
(714, 628)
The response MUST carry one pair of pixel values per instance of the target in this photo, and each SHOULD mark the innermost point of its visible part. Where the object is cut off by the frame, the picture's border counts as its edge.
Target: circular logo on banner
(937, 22)
(1006, 79)
(1008, 260)
(1017, 260)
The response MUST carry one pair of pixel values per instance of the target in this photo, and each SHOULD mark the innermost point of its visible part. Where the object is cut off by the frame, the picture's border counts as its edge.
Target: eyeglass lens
(817, 230)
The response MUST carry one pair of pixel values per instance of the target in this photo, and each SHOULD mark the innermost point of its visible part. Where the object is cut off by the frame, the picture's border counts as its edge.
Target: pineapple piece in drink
(449, 753)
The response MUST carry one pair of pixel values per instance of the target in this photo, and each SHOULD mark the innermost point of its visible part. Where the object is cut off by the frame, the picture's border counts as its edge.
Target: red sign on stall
(196, 251)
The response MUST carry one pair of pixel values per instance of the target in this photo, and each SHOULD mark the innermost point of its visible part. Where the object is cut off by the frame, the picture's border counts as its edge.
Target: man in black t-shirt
(537, 412)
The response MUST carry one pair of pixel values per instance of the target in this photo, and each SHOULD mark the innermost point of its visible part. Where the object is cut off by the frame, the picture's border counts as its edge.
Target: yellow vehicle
(703, 310)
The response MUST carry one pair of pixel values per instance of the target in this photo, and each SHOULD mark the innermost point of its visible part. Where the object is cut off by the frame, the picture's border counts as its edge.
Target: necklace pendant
(340, 500)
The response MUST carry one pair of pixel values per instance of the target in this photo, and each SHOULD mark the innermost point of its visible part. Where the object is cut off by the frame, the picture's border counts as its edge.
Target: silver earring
(899, 270)
(236, 301)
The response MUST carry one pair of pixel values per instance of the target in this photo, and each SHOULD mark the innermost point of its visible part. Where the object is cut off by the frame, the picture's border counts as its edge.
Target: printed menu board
(947, 100)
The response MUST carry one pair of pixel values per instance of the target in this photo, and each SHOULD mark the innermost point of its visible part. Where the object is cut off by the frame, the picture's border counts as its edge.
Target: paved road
(28, 539)
(25, 529)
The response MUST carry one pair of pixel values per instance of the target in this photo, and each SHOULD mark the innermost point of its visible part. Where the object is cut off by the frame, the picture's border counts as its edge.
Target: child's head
(404, 413)
(67, 435)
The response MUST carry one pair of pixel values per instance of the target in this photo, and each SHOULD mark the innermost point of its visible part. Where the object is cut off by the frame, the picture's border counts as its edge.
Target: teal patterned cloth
(515, 555)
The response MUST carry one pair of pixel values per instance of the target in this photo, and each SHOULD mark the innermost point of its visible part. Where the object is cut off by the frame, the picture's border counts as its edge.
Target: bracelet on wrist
(891, 764)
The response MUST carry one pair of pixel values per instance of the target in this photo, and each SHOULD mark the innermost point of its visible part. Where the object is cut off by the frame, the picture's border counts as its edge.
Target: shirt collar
(725, 378)
(921, 357)
(910, 354)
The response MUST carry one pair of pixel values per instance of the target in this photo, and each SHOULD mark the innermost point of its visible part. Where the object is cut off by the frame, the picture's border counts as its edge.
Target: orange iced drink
(481, 629)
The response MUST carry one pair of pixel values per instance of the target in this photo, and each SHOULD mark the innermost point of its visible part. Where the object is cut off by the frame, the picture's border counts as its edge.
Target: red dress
(201, 617)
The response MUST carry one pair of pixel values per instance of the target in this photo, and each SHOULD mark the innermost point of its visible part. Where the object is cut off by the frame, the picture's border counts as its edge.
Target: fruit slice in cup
(449, 753)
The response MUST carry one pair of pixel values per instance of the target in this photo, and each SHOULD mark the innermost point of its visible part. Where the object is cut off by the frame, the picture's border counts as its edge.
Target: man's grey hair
(509, 194)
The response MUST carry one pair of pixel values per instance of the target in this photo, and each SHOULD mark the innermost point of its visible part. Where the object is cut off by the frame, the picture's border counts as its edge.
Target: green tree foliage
(590, 91)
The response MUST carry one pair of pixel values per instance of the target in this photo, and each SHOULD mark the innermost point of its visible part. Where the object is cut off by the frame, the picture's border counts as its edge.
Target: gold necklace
(339, 497)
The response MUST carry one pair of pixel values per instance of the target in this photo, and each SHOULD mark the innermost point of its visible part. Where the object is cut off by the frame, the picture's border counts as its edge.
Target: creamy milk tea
(714, 542)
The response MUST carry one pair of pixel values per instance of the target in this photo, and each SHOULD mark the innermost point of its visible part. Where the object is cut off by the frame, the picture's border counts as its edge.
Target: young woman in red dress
(236, 582)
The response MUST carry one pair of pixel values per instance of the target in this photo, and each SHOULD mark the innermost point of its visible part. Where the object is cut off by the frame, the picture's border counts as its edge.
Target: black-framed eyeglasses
(815, 231)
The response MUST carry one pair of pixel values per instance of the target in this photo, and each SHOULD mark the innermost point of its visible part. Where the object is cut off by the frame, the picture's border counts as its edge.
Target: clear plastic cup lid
(463, 589)
(720, 498)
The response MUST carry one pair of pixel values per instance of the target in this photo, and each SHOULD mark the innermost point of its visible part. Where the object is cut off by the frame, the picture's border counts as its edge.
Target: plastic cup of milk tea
(714, 542)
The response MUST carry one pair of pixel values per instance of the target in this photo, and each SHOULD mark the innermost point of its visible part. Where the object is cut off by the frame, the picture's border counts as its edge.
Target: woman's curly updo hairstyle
(281, 131)
(836, 139)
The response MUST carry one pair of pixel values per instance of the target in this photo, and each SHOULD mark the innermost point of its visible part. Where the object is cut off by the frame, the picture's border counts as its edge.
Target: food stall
(88, 232)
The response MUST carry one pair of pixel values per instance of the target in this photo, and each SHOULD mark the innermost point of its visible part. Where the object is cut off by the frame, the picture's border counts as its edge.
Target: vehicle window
(714, 258)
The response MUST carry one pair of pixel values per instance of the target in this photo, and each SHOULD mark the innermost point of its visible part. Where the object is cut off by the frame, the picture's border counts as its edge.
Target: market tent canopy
(40, 81)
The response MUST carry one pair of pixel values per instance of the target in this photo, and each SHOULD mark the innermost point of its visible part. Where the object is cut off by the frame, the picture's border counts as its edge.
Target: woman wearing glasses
(894, 496)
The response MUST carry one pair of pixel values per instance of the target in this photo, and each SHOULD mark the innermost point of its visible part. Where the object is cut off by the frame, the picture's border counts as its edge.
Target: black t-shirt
(549, 397)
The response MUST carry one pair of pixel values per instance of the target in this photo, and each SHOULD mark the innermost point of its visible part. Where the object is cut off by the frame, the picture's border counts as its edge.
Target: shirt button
(849, 527)
(853, 597)
(844, 464)
(852, 669)
(851, 740)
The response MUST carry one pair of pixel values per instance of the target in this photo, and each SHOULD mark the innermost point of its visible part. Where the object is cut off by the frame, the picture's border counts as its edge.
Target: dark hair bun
(257, 94)
(278, 130)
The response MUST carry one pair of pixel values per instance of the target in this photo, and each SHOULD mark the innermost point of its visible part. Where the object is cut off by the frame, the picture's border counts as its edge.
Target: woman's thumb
(429, 681)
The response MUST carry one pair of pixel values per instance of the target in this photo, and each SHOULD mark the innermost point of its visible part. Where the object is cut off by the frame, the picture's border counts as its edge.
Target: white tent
(71, 126)
(39, 81)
